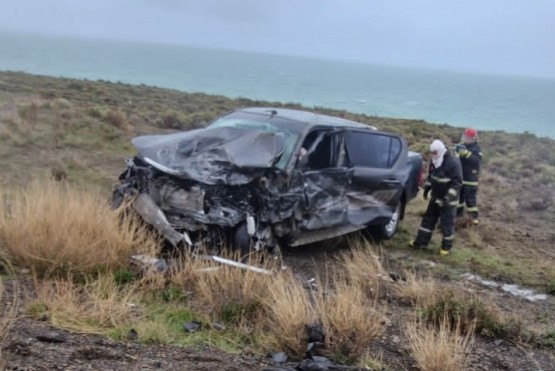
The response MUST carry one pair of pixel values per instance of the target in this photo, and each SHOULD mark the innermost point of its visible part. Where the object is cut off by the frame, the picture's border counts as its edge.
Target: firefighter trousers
(468, 196)
(446, 217)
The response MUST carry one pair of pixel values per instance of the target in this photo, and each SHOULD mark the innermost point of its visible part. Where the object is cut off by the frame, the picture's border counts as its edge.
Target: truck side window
(318, 146)
(372, 149)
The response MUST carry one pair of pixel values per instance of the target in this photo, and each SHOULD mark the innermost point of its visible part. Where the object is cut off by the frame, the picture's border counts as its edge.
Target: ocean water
(487, 102)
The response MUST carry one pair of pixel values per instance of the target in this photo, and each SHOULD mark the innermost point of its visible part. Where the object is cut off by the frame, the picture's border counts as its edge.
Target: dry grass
(441, 348)
(55, 228)
(361, 267)
(350, 322)
(470, 313)
(93, 307)
(288, 311)
(232, 295)
(418, 291)
(8, 312)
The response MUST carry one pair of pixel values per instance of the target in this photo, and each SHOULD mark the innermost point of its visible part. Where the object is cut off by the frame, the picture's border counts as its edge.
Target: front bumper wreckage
(204, 187)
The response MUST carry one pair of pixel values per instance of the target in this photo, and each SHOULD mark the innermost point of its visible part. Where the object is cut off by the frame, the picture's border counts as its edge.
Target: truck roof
(305, 117)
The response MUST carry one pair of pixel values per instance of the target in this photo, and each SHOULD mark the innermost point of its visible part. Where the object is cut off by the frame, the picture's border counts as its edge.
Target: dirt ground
(35, 345)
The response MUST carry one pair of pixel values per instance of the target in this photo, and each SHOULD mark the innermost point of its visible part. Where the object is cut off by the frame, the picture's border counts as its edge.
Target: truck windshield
(290, 130)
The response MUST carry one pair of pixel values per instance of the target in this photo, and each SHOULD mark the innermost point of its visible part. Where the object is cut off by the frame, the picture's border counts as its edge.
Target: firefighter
(470, 155)
(444, 181)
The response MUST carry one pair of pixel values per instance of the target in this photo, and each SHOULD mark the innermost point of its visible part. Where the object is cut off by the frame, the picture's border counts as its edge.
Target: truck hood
(222, 155)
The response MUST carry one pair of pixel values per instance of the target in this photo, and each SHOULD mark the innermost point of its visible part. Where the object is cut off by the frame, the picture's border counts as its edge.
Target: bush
(117, 119)
(172, 120)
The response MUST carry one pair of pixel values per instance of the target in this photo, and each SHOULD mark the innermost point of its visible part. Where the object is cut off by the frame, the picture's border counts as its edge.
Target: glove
(442, 202)
(426, 191)
(462, 151)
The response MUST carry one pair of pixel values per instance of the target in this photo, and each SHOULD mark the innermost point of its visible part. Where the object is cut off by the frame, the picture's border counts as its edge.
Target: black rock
(322, 364)
(132, 335)
(315, 333)
(52, 337)
(396, 277)
(157, 364)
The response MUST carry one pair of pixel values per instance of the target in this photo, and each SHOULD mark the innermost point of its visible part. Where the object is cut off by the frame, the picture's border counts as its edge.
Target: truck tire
(387, 231)
(242, 240)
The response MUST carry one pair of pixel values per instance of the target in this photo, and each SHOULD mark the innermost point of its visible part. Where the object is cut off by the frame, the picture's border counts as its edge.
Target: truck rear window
(372, 149)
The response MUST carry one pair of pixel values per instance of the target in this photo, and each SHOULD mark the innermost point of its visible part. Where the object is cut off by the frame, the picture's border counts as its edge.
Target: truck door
(378, 161)
(326, 179)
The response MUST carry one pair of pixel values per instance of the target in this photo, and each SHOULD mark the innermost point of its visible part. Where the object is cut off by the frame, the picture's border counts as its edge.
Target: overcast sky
(499, 36)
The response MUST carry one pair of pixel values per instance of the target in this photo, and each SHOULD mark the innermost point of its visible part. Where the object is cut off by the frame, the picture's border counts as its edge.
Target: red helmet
(471, 133)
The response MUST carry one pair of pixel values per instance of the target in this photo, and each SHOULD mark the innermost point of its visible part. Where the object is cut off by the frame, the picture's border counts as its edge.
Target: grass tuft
(54, 228)
(350, 322)
(361, 267)
(471, 314)
(288, 311)
(8, 313)
(93, 307)
(231, 294)
(439, 348)
(418, 291)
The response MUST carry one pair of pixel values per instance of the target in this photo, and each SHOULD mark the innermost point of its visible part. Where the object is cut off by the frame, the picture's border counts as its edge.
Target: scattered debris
(233, 263)
(311, 284)
(146, 262)
(279, 357)
(217, 326)
(512, 289)
(191, 327)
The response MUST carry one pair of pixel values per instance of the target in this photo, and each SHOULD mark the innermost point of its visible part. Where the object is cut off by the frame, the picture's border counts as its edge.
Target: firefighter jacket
(471, 164)
(445, 182)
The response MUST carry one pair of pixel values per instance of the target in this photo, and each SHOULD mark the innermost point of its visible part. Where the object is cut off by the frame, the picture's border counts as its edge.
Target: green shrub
(471, 314)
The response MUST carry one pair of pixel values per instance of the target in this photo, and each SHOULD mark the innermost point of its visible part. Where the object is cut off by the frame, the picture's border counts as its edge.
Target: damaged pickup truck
(261, 178)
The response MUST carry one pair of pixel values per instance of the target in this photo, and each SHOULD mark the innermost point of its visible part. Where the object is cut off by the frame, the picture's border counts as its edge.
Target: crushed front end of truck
(206, 188)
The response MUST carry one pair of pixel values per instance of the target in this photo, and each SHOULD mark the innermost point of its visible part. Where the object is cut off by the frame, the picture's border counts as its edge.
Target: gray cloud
(507, 36)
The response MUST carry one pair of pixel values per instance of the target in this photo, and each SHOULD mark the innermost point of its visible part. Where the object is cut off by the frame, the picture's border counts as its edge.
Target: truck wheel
(387, 231)
(242, 240)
